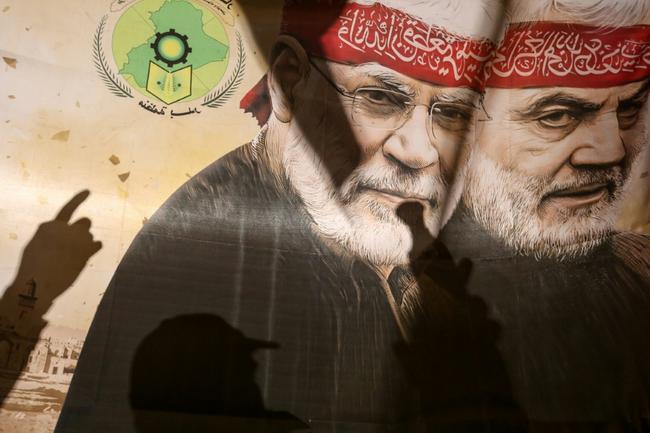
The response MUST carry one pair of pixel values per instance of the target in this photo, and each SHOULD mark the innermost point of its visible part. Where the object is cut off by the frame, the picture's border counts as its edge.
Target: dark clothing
(233, 242)
(512, 341)
(574, 335)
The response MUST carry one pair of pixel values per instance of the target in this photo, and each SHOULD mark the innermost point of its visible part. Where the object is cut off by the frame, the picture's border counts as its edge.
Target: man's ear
(289, 68)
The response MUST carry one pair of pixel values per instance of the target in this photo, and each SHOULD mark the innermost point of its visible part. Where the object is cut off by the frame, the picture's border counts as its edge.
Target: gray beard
(506, 204)
(348, 217)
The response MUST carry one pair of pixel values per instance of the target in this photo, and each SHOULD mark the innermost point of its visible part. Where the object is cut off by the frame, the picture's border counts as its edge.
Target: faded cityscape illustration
(47, 366)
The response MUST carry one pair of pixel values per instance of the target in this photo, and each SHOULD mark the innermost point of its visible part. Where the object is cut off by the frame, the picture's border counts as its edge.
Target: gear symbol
(171, 47)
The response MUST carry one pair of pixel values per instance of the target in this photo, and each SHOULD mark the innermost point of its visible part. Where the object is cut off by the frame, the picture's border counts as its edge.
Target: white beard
(505, 203)
(364, 227)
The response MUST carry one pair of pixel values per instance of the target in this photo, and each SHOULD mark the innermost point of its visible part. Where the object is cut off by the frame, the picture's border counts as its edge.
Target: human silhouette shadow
(51, 262)
(197, 373)
(451, 356)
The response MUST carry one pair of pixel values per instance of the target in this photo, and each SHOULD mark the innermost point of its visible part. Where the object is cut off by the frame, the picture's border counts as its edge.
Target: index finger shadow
(65, 214)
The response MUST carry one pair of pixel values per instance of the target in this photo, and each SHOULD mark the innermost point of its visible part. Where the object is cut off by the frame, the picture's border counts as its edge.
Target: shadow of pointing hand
(51, 262)
(56, 255)
(451, 359)
(439, 278)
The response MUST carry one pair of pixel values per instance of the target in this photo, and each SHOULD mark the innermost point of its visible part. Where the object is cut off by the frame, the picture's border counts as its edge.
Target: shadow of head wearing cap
(197, 364)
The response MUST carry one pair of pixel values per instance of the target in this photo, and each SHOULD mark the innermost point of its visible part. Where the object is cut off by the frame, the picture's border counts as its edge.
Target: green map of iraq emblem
(170, 85)
(172, 53)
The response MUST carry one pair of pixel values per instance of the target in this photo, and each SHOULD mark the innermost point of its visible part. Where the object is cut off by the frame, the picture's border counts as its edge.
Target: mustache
(427, 188)
(613, 177)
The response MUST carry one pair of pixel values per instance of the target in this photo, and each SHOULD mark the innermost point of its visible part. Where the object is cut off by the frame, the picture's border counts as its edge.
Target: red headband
(570, 55)
(531, 55)
(353, 33)
(361, 34)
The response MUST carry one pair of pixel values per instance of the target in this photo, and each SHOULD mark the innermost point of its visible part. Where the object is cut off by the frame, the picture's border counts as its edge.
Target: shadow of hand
(451, 358)
(56, 255)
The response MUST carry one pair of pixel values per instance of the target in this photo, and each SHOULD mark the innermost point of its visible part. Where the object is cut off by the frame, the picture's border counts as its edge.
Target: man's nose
(411, 144)
(600, 143)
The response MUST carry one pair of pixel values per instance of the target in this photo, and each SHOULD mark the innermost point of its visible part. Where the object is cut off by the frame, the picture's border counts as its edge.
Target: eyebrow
(578, 105)
(391, 82)
(468, 98)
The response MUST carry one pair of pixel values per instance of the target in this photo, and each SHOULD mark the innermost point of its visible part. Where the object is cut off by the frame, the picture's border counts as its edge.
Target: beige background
(56, 88)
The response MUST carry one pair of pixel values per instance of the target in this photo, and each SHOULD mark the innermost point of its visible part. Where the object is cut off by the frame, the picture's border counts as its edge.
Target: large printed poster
(327, 216)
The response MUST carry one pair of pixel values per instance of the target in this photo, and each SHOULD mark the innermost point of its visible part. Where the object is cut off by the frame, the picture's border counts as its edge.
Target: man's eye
(557, 119)
(451, 112)
(381, 97)
(451, 116)
(628, 115)
(378, 97)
